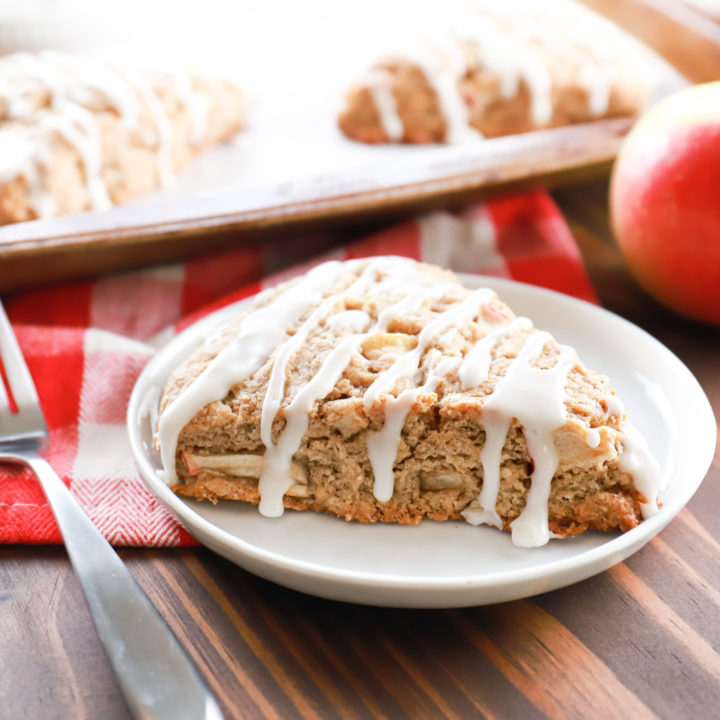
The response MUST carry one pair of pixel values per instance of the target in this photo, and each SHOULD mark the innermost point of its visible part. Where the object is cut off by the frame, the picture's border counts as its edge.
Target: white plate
(453, 564)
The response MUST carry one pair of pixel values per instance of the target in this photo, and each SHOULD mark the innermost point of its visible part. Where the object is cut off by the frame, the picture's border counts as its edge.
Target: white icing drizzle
(407, 365)
(508, 56)
(383, 444)
(597, 81)
(537, 79)
(442, 76)
(442, 67)
(21, 156)
(275, 480)
(536, 399)
(475, 366)
(592, 437)
(440, 370)
(161, 120)
(15, 152)
(637, 460)
(195, 104)
(380, 84)
(614, 404)
(86, 76)
(78, 127)
(355, 320)
(278, 376)
(596, 78)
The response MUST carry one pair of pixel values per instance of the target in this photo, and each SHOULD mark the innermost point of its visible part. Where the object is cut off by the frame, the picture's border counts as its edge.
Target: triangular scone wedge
(486, 73)
(77, 133)
(384, 390)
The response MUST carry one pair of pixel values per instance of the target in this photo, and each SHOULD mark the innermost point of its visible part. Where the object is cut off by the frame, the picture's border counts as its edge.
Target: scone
(484, 72)
(384, 390)
(79, 134)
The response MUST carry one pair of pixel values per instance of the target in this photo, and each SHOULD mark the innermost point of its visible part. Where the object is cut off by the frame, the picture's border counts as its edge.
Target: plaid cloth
(86, 343)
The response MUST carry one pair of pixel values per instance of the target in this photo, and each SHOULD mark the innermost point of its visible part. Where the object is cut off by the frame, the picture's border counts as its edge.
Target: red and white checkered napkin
(86, 343)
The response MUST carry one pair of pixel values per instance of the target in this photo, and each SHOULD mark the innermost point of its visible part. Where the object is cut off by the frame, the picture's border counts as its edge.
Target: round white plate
(452, 564)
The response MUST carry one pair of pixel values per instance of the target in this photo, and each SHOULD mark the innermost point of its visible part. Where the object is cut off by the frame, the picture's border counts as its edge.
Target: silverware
(155, 675)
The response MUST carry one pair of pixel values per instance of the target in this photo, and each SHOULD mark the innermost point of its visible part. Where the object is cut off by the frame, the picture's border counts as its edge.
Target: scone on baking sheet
(79, 134)
(384, 390)
(492, 69)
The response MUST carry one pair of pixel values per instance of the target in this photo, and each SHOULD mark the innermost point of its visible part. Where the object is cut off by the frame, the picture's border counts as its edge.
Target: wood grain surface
(639, 641)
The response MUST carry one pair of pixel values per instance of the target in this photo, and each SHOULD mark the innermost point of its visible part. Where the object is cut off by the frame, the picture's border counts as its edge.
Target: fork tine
(18, 377)
(4, 399)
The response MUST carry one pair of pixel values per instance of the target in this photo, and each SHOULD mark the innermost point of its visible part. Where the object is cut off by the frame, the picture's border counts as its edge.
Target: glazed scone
(384, 390)
(79, 134)
(485, 72)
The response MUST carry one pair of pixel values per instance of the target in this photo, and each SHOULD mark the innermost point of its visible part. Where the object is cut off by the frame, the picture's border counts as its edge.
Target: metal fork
(155, 675)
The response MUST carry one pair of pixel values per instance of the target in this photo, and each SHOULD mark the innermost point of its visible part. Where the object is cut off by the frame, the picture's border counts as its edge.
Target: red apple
(665, 201)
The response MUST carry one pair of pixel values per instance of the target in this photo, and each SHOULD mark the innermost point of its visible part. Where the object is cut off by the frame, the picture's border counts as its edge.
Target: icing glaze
(21, 155)
(383, 444)
(442, 75)
(163, 128)
(380, 83)
(507, 54)
(596, 77)
(637, 460)
(278, 456)
(275, 480)
(535, 397)
(355, 320)
(195, 104)
(475, 365)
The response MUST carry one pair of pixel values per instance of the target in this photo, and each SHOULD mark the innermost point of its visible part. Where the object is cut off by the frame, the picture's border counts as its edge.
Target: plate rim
(615, 549)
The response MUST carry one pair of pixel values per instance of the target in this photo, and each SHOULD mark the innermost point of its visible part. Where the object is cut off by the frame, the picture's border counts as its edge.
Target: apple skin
(665, 201)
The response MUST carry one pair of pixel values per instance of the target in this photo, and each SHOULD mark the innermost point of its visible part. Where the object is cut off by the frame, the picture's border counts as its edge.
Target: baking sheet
(295, 61)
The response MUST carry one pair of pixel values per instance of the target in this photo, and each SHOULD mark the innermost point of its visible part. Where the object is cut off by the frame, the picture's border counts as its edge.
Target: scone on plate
(384, 390)
(485, 70)
(77, 133)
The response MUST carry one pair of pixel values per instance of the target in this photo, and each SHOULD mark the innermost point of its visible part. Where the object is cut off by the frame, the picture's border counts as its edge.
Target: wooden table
(640, 640)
